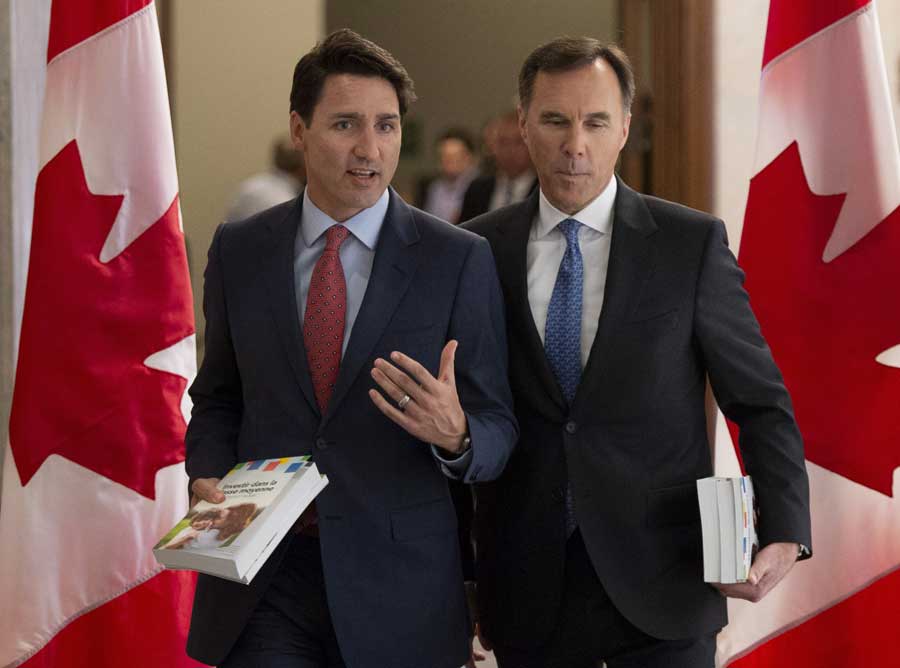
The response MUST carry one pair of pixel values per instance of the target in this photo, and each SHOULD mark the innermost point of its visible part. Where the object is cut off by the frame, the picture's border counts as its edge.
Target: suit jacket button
(571, 427)
(557, 494)
(321, 444)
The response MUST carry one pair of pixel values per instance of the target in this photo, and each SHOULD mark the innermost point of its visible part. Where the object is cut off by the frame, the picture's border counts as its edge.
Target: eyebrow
(355, 116)
(551, 115)
(594, 116)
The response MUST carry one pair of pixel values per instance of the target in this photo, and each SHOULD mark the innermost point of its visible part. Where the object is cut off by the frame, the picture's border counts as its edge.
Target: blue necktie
(562, 335)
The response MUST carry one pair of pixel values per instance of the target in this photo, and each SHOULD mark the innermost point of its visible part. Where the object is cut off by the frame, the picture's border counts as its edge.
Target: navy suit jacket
(634, 441)
(387, 526)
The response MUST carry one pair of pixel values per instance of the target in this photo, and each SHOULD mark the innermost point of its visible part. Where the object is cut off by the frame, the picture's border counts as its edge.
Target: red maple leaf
(826, 323)
(82, 390)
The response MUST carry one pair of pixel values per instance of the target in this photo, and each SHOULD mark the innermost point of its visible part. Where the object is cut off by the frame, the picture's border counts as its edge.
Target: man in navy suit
(589, 544)
(349, 326)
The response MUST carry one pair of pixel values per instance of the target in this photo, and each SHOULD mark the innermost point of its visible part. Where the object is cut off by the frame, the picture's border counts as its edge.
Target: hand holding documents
(234, 538)
(728, 521)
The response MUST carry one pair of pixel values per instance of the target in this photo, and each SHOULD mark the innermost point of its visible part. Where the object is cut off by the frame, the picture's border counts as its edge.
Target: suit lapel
(512, 249)
(631, 259)
(396, 259)
(278, 269)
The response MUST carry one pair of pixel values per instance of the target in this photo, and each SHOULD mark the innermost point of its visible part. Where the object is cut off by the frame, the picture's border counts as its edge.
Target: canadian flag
(820, 245)
(93, 472)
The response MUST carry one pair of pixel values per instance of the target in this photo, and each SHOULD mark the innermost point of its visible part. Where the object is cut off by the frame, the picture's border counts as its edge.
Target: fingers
(395, 383)
(742, 590)
(446, 371)
(771, 564)
(204, 489)
(418, 372)
(390, 411)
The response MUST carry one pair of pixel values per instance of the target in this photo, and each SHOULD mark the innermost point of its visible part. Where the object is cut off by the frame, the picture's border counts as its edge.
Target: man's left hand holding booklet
(234, 538)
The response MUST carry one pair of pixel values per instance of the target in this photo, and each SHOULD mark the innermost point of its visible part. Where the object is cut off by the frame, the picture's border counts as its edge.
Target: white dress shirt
(546, 247)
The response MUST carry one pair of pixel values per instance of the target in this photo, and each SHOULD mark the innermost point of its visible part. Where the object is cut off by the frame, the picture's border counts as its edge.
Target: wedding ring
(403, 401)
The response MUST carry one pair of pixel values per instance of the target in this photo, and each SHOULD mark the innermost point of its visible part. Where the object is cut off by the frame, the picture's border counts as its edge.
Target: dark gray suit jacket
(634, 441)
(386, 521)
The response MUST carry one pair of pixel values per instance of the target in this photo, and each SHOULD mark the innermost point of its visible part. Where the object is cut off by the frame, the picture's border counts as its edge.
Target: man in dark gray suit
(619, 306)
(310, 306)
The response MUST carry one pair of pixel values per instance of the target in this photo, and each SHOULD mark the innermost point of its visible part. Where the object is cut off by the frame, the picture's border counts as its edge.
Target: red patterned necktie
(323, 321)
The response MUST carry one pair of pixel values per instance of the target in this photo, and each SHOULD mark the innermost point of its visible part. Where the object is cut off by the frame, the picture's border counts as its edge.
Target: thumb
(206, 490)
(447, 372)
(755, 574)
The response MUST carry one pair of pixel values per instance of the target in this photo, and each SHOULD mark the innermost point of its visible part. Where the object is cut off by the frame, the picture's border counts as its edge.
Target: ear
(626, 126)
(298, 130)
(522, 114)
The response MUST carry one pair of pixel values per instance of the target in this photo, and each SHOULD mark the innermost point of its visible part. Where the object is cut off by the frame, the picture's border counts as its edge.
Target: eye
(386, 126)
(343, 125)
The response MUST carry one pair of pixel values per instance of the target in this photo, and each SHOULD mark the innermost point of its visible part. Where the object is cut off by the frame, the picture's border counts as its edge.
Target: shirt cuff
(454, 468)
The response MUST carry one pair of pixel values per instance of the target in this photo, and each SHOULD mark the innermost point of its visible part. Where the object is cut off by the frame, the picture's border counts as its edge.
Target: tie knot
(569, 227)
(335, 236)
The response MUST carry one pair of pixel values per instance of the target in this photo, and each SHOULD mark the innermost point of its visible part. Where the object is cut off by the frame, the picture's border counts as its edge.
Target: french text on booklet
(728, 521)
(234, 538)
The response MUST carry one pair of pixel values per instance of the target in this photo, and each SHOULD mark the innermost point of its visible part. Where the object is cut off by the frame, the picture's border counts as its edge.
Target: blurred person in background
(513, 179)
(284, 181)
(486, 164)
(442, 195)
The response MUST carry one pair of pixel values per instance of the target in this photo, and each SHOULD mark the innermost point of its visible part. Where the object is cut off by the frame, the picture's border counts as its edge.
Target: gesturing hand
(771, 564)
(431, 412)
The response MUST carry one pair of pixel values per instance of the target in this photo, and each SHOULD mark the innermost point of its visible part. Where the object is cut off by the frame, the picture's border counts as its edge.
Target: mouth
(363, 175)
(571, 175)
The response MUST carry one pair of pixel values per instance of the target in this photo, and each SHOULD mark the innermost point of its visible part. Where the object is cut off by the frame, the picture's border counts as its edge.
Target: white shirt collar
(597, 215)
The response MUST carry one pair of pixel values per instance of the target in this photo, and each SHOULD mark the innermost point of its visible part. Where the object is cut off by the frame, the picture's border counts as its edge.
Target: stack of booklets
(234, 538)
(729, 528)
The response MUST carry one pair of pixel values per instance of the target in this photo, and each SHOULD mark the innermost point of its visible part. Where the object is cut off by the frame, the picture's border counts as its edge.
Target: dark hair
(460, 134)
(569, 53)
(346, 52)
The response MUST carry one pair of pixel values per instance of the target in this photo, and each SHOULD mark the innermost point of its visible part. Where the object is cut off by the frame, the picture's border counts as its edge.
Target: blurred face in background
(351, 145)
(509, 149)
(575, 127)
(455, 158)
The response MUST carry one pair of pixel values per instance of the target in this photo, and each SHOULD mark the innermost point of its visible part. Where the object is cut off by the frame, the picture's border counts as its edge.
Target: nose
(575, 142)
(366, 147)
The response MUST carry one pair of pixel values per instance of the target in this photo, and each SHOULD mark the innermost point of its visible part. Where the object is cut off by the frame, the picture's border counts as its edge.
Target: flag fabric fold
(819, 245)
(93, 472)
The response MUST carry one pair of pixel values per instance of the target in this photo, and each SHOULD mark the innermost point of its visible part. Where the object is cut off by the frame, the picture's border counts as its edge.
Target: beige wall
(465, 55)
(231, 63)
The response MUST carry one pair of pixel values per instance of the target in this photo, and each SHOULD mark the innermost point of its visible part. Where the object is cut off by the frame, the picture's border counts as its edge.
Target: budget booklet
(728, 522)
(234, 538)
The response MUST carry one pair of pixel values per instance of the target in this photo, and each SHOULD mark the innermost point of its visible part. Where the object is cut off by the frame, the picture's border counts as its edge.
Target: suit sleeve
(751, 393)
(212, 434)
(478, 324)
